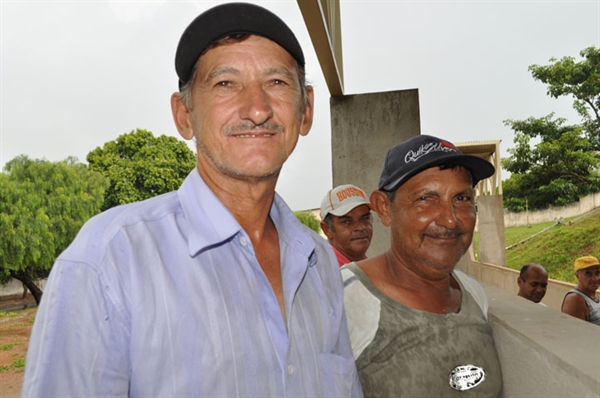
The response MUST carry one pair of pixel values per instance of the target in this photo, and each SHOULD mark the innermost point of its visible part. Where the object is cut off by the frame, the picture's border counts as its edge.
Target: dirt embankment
(15, 328)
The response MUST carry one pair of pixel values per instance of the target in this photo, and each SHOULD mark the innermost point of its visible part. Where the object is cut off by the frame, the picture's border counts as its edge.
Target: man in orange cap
(583, 302)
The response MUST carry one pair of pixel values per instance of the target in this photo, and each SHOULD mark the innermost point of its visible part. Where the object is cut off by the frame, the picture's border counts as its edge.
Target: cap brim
(343, 210)
(588, 266)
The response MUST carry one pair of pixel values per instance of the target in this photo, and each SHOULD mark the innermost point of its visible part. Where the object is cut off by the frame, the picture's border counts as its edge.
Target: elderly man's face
(247, 112)
(432, 220)
(589, 278)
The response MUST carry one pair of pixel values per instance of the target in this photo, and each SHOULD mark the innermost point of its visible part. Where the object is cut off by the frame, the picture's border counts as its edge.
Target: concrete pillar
(490, 214)
(363, 128)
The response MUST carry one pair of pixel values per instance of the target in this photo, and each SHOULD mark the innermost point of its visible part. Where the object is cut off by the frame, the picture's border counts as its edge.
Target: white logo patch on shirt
(465, 377)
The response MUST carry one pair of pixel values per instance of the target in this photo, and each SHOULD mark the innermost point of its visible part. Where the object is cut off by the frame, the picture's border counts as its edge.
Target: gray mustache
(249, 126)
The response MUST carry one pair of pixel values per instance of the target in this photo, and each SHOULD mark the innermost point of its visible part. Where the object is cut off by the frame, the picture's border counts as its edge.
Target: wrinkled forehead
(595, 269)
(423, 177)
(237, 55)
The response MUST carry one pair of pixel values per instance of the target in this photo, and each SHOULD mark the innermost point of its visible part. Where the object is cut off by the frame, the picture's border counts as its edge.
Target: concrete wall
(12, 288)
(491, 229)
(363, 128)
(15, 288)
(584, 205)
(543, 353)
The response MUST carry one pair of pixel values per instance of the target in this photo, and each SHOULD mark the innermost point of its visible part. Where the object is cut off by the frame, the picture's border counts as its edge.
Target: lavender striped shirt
(165, 298)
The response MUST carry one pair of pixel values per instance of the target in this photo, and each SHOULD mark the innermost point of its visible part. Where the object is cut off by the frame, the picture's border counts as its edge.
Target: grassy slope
(556, 248)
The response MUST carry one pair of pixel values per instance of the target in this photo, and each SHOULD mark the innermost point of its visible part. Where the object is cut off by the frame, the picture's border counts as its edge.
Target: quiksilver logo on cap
(443, 146)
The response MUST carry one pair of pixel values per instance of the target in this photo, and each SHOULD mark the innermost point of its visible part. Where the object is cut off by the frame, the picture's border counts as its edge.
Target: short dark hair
(523, 272)
(329, 221)
(525, 269)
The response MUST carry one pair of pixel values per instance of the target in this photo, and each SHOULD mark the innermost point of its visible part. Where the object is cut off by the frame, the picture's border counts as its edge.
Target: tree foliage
(309, 219)
(140, 166)
(553, 163)
(42, 207)
(580, 80)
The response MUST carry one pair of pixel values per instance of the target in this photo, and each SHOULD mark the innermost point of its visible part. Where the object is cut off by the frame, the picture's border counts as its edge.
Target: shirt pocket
(338, 375)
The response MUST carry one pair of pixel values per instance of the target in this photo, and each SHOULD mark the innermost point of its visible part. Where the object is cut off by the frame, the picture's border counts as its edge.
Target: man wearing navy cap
(417, 325)
(215, 289)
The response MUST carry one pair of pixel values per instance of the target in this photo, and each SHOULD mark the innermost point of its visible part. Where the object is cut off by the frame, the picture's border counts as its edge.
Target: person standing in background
(347, 222)
(583, 301)
(533, 282)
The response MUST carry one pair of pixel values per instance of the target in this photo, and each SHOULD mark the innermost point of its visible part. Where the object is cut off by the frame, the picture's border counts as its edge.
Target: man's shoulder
(144, 211)
(475, 289)
(97, 233)
(579, 297)
(467, 281)
(348, 273)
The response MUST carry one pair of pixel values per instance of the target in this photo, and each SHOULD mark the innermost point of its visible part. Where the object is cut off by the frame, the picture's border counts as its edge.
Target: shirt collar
(210, 223)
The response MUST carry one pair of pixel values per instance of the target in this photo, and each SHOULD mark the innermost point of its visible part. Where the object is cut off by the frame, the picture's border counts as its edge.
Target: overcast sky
(75, 75)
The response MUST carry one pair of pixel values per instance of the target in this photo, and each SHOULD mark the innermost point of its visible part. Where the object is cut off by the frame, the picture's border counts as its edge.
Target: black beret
(230, 19)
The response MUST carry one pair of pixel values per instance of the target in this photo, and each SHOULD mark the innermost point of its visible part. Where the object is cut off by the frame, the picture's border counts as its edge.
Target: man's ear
(326, 230)
(382, 206)
(519, 281)
(307, 116)
(182, 116)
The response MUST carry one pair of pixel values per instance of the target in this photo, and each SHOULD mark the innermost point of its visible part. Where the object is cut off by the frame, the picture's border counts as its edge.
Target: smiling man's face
(432, 220)
(247, 109)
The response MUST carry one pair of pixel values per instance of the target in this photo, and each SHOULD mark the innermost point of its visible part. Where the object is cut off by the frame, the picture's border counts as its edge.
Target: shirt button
(243, 241)
(290, 369)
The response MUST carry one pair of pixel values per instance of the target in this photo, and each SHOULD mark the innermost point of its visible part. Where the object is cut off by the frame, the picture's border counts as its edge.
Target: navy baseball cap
(230, 19)
(421, 152)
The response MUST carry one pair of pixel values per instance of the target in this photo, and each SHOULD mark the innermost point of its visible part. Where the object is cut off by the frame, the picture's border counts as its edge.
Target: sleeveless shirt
(594, 315)
(403, 352)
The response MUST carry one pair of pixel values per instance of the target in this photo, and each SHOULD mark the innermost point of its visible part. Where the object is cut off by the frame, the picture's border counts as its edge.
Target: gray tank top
(415, 353)
(594, 315)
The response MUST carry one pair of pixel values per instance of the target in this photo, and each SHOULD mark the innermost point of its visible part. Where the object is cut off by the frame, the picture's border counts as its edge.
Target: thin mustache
(244, 127)
(448, 234)
(361, 235)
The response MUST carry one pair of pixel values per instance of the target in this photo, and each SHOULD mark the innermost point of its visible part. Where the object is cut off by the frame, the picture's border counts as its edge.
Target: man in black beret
(411, 314)
(215, 289)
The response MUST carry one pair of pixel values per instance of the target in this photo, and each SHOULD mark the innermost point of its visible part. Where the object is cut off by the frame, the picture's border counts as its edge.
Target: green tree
(558, 170)
(42, 207)
(554, 163)
(309, 219)
(580, 80)
(140, 166)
